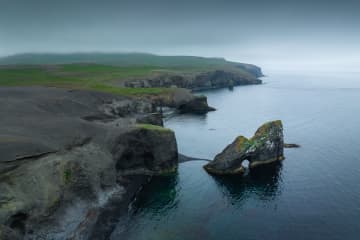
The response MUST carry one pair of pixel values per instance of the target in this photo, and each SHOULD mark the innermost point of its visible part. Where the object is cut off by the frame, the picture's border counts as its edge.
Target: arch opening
(245, 164)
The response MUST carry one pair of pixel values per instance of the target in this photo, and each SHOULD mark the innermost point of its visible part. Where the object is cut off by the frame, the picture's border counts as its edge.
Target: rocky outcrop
(184, 101)
(147, 150)
(65, 154)
(155, 118)
(199, 81)
(197, 105)
(266, 146)
(254, 70)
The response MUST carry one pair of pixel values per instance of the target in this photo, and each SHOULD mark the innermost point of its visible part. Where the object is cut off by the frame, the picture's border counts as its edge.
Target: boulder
(266, 146)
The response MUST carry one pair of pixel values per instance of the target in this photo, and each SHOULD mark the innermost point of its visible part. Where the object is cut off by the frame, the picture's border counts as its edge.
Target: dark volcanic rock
(63, 154)
(7, 233)
(147, 150)
(183, 100)
(197, 105)
(266, 146)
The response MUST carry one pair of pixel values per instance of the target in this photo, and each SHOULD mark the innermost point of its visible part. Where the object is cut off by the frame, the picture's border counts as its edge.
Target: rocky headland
(64, 154)
(71, 161)
(199, 81)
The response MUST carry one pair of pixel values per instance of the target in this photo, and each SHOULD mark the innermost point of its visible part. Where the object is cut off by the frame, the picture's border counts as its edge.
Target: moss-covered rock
(151, 127)
(146, 149)
(266, 146)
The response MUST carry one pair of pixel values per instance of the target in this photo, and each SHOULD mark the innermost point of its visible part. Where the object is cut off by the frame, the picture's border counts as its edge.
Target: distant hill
(107, 71)
(123, 59)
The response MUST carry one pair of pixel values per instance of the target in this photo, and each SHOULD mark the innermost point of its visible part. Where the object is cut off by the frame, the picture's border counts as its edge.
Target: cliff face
(65, 154)
(252, 69)
(200, 81)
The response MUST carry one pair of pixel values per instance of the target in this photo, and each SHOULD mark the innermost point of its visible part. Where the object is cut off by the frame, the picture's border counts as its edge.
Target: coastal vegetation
(107, 72)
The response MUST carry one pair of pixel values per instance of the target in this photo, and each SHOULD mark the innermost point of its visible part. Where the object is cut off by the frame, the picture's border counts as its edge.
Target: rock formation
(291, 145)
(266, 146)
(197, 105)
(184, 101)
(65, 154)
(200, 81)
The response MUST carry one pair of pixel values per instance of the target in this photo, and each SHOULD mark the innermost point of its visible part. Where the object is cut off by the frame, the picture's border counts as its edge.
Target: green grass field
(102, 72)
(93, 77)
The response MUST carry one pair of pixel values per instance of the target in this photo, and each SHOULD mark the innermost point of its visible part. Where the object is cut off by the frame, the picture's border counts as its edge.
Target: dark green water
(313, 194)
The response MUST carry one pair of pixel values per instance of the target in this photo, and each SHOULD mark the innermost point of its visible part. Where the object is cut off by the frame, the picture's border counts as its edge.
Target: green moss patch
(153, 127)
(67, 175)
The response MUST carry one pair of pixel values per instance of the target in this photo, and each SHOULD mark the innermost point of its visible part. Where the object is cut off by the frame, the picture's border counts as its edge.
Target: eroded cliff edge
(196, 81)
(65, 154)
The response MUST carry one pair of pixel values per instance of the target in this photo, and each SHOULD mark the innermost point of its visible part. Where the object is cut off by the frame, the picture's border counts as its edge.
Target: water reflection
(263, 182)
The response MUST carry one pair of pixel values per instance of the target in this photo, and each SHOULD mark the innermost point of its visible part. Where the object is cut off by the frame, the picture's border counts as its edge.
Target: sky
(274, 34)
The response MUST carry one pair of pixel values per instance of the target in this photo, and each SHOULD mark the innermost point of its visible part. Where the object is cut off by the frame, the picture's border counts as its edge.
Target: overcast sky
(270, 33)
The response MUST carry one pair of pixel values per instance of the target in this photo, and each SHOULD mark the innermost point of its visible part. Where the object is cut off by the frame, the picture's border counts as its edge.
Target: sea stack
(266, 146)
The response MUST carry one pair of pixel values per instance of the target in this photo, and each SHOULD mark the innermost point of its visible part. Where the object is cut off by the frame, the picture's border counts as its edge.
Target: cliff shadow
(157, 196)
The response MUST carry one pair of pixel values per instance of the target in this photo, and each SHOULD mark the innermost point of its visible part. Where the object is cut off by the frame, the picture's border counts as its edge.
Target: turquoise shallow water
(313, 194)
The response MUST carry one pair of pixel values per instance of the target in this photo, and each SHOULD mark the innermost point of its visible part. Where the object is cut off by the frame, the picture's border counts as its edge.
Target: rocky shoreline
(199, 81)
(64, 154)
(71, 161)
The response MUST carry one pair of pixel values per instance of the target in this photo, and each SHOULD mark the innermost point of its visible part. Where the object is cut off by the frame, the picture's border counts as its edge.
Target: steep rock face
(266, 146)
(65, 154)
(255, 70)
(197, 81)
(146, 149)
(197, 105)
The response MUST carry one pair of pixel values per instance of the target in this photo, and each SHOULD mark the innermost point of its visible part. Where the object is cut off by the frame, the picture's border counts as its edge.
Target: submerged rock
(266, 146)
(291, 145)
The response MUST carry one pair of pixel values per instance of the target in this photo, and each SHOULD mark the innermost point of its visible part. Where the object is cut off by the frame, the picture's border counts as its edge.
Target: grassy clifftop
(106, 72)
(120, 59)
